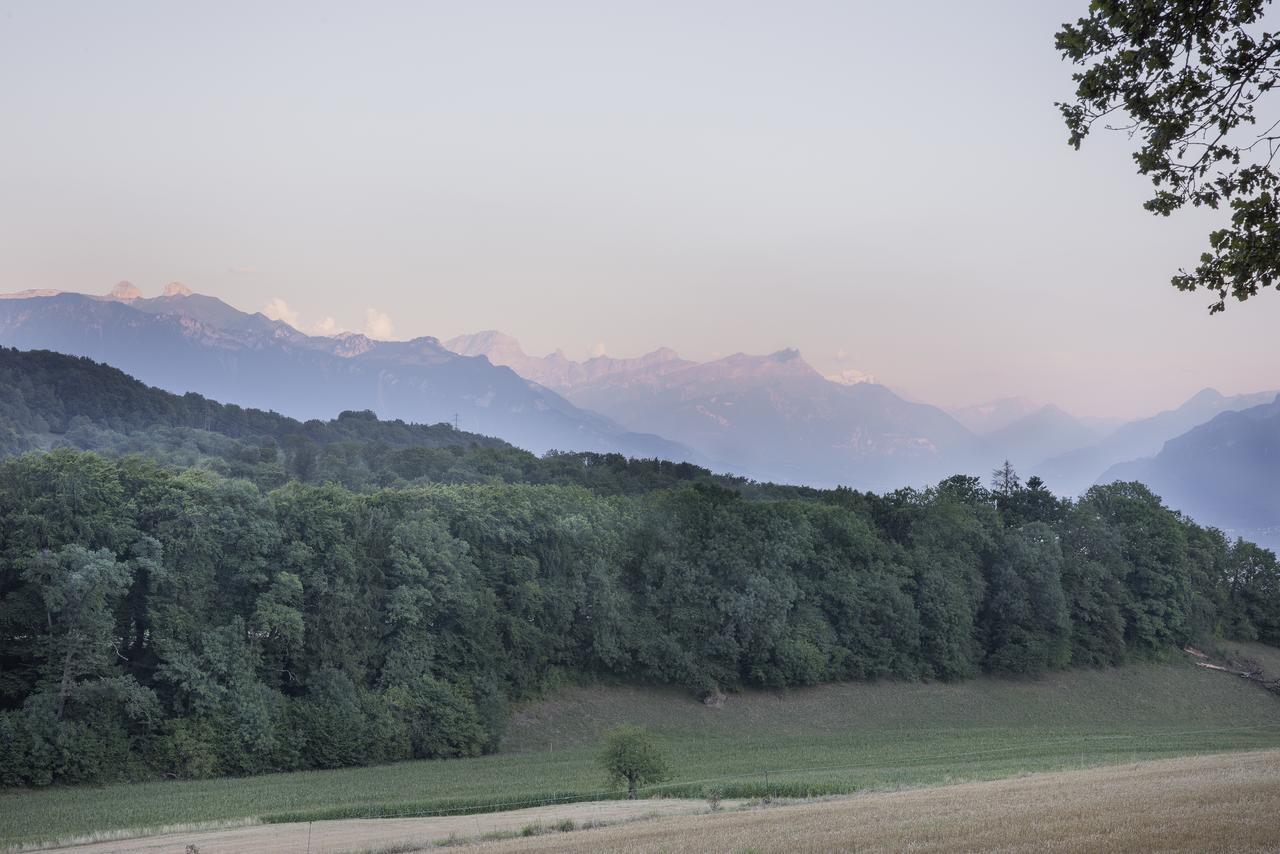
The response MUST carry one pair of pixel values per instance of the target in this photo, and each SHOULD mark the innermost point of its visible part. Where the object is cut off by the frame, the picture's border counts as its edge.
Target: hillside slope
(1129, 699)
(47, 395)
(51, 400)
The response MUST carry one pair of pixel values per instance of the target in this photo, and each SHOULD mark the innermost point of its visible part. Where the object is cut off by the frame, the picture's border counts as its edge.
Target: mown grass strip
(436, 807)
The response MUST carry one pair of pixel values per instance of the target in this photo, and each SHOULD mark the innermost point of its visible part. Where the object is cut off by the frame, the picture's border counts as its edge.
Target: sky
(884, 186)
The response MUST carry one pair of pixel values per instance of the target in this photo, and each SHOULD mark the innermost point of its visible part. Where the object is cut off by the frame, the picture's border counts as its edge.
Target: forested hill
(53, 400)
(164, 619)
(47, 392)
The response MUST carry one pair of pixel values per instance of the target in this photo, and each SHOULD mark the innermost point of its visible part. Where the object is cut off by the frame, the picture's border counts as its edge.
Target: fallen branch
(1246, 669)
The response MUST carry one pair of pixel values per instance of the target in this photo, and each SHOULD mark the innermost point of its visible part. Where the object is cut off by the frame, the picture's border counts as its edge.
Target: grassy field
(830, 739)
(1212, 803)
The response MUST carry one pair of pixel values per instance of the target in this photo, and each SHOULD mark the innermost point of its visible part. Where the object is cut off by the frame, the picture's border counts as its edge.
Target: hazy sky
(883, 185)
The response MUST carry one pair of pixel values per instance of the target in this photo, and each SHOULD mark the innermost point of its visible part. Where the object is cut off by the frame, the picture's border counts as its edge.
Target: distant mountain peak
(782, 366)
(1050, 412)
(788, 358)
(352, 344)
(424, 342)
(1205, 395)
(850, 376)
(653, 357)
(789, 354)
(31, 293)
(177, 289)
(487, 342)
(993, 415)
(125, 292)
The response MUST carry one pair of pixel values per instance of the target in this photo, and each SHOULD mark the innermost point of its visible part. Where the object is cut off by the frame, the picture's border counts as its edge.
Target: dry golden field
(1226, 802)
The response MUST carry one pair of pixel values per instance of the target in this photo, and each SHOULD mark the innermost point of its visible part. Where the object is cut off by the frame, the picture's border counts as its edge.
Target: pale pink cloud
(278, 309)
(377, 324)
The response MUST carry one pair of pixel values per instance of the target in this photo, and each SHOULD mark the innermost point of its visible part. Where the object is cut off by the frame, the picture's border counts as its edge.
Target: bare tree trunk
(65, 687)
(631, 788)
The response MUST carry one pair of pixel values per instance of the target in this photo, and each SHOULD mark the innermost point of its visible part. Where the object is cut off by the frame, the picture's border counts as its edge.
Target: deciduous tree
(1189, 80)
(632, 756)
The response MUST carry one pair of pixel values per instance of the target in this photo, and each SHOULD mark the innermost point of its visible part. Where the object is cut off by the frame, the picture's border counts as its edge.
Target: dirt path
(332, 837)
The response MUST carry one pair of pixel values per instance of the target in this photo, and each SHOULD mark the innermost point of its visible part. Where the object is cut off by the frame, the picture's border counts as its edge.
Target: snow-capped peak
(125, 292)
(177, 289)
(851, 376)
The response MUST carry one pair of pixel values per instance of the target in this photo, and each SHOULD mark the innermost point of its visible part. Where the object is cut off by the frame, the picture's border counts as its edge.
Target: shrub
(714, 793)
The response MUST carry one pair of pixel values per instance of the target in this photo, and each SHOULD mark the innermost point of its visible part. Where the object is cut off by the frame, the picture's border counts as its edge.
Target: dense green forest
(189, 589)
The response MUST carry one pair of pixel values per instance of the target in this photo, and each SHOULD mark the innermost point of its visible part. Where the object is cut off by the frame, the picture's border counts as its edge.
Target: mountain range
(1074, 471)
(776, 417)
(772, 417)
(769, 417)
(1225, 472)
(182, 341)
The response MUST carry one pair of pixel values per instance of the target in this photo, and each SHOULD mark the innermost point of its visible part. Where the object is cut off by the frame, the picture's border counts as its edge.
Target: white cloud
(278, 309)
(599, 349)
(377, 324)
(327, 326)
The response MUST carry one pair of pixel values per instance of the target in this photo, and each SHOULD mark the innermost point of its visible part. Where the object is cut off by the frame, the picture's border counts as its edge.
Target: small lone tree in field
(630, 754)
